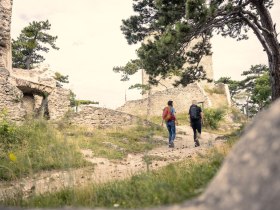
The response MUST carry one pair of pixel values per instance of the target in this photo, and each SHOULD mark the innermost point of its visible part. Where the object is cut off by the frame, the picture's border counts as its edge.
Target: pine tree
(32, 40)
(173, 24)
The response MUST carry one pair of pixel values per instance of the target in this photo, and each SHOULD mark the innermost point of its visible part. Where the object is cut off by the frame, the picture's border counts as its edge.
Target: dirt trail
(105, 170)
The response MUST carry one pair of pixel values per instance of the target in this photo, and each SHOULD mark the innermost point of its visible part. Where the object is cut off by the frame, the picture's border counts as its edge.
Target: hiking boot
(171, 145)
(196, 143)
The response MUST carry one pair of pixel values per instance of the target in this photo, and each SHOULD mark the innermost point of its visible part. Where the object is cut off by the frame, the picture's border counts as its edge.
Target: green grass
(35, 146)
(172, 184)
(117, 143)
(39, 145)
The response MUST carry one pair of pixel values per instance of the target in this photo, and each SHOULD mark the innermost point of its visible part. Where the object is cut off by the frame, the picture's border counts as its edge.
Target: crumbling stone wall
(10, 98)
(58, 103)
(26, 94)
(182, 98)
(5, 34)
(90, 116)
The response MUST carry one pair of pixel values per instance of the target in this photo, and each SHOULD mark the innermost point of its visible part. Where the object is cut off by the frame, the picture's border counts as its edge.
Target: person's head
(170, 103)
(194, 102)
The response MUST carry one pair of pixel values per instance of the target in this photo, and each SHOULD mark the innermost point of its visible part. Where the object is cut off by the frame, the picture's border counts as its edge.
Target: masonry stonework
(154, 104)
(10, 98)
(58, 103)
(32, 93)
(96, 117)
(5, 34)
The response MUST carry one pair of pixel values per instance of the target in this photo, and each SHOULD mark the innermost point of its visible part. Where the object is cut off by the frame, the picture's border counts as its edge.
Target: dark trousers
(196, 126)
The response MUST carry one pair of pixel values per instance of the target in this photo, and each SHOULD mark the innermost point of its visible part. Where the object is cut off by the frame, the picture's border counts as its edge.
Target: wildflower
(12, 157)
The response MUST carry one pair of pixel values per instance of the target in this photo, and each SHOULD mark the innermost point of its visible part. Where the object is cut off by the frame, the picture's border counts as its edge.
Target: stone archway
(34, 102)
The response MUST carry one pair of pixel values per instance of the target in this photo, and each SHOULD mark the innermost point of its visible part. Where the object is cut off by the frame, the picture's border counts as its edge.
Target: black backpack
(194, 113)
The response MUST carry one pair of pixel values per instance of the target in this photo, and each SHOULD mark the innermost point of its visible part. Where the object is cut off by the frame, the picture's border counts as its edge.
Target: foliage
(35, 146)
(233, 85)
(253, 92)
(172, 184)
(32, 40)
(75, 102)
(261, 94)
(86, 102)
(72, 98)
(212, 117)
(167, 27)
(60, 79)
(8, 131)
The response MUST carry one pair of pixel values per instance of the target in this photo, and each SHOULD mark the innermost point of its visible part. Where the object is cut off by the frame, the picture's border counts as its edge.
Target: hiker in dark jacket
(196, 120)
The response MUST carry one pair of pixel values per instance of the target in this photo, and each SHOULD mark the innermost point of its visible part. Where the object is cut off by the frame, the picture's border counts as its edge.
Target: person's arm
(190, 116)
(162, 122)
(202, 117)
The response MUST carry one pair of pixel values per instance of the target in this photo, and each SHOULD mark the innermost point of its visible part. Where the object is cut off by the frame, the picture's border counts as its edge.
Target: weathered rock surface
(5, 33)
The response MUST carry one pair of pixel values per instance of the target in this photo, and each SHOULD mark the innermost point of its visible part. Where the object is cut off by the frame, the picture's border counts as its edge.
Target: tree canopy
(60, 79)
(32, 40)
(167, 27)
(254, 90)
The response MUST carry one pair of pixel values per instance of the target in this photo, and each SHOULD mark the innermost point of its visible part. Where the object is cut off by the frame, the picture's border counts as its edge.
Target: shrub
(212, 117)
(8, 132)
(34, 146)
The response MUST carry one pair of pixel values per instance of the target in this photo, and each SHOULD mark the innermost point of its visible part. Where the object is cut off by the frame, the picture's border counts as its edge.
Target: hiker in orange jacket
(168, 116)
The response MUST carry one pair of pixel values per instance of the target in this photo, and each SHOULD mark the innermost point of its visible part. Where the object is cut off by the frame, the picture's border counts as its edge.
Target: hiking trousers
(196, 126)
(171, 130)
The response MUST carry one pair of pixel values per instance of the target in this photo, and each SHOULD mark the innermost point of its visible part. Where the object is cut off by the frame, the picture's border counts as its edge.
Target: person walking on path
(168, 116)
(196, 120)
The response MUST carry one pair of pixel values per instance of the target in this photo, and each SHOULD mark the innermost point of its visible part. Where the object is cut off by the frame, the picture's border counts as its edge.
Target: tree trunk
(272, 47)
(274, 66)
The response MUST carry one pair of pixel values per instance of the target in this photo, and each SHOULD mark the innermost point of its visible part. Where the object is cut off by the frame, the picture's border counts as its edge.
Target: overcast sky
(91, 44)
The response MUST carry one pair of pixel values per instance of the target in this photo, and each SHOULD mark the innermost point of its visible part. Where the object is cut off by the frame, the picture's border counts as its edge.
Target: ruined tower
(5, 34)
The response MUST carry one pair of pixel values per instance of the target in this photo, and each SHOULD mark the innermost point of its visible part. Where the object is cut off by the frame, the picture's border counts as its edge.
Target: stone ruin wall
(95, 117)
(58, 103)
(10, 98)
(182, 98)
(23, 94)
(5, 34)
